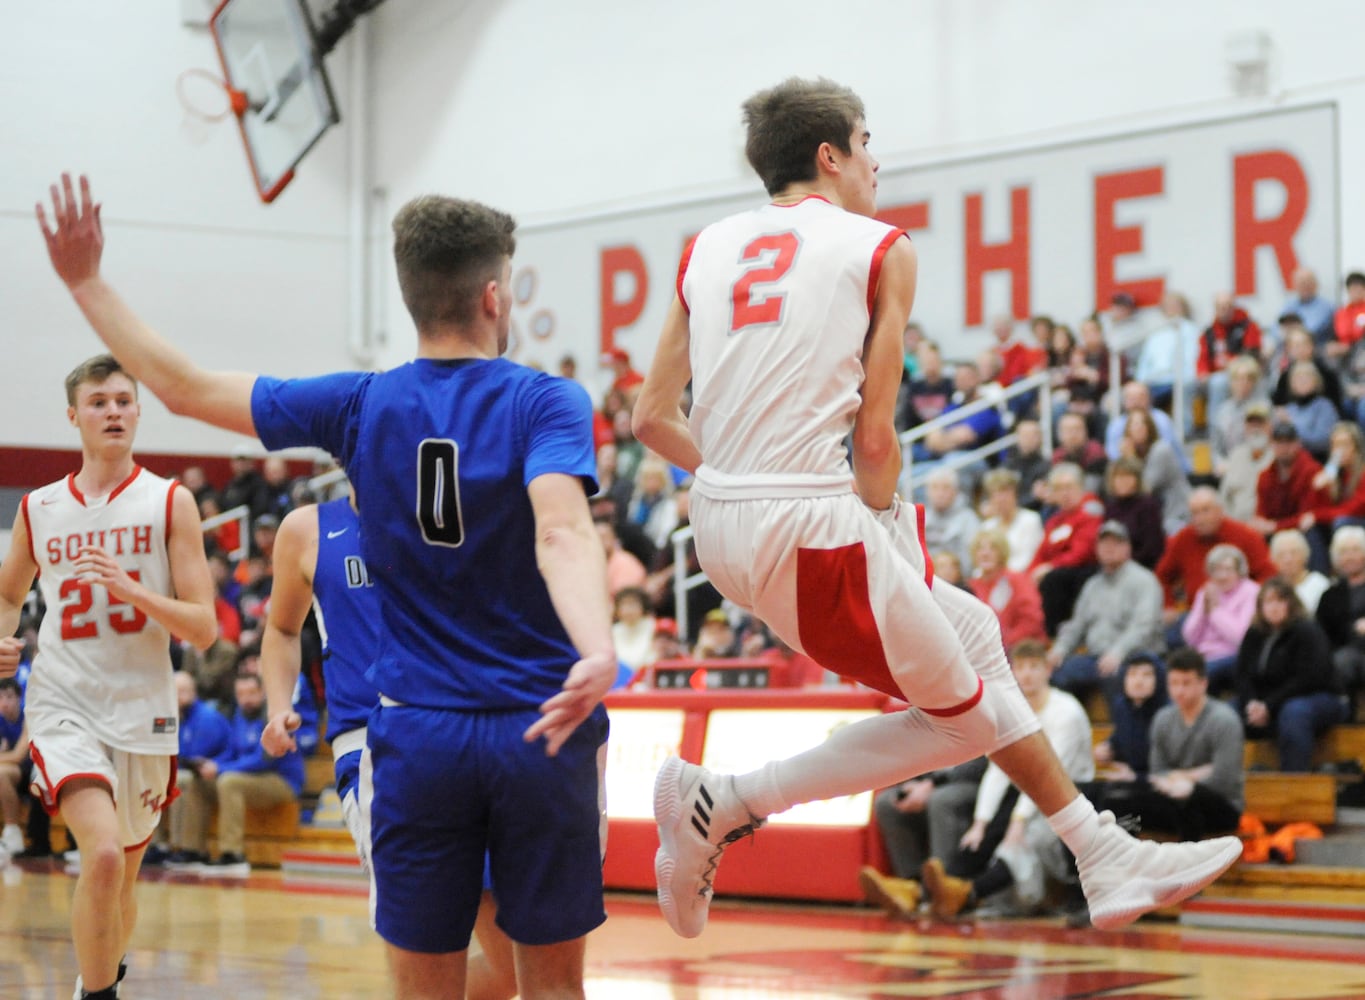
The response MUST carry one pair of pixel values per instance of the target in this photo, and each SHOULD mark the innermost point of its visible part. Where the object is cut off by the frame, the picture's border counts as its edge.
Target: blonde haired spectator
(1227, 422)
(1289, 552)
(1012, 595)
(652, 507)
(1023, 528)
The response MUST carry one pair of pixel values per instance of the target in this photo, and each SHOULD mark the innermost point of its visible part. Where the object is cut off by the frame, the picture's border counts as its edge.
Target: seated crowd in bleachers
(1219, 548)
(1229, 528)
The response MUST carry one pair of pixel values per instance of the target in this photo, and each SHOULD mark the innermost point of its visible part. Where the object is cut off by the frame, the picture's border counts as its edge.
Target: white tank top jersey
(102, 662)
(780, 302)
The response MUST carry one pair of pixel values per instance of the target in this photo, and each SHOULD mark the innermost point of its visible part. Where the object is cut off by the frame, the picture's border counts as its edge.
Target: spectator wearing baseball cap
(626, 379)
(1246, 462)
(716, 637)
(1117, 614)
(1286, 488)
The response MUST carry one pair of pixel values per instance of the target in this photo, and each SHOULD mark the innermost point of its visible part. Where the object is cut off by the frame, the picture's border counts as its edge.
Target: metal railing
(242, 513)
(1041, 382)
(1117, 352)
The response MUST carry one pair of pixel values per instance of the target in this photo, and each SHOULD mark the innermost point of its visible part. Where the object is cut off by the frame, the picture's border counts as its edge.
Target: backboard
(277, 84)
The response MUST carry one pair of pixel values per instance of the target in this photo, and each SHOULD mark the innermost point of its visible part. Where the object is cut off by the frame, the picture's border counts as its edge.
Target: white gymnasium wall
(89, 85)
(578, 116)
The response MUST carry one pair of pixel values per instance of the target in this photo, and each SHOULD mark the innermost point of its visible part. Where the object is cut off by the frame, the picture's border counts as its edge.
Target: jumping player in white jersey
(788, 323)
(119, 557)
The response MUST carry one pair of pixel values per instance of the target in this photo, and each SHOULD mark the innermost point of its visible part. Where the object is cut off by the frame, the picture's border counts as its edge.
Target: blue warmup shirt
(440, 454)
(244, 752)
(11, 731)
(204, 731)
(350, 637)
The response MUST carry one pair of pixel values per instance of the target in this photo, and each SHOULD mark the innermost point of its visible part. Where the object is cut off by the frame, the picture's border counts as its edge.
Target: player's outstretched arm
(571, 559)
(291, 595)
(16, 576)
(876, 448)
(75, 244)
(658, 418)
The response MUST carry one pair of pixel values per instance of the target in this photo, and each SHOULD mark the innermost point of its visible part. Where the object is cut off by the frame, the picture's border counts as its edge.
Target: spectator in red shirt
(627, 379)
(1349, 323)
(1012, 596)
(1232, 332)
(1182, 569)
(1285, 490)
(1018, 357)
(602, 431)
(1066, 559)
(1342, 479)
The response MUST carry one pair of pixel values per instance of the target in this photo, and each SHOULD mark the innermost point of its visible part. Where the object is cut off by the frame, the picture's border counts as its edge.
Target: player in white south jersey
(119, 557)
(788, 323)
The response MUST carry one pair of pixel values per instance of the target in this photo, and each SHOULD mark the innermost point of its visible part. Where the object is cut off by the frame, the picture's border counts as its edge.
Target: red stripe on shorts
(52, 806)
(834, 616)
(924, 546)
(948, 713)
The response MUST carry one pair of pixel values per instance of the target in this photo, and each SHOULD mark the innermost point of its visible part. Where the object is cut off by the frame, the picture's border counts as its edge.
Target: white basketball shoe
(1124, 877)
(699, 815)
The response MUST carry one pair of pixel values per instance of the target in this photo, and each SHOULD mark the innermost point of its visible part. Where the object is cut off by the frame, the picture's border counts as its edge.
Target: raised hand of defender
(75, 241)
(11, 651)
(277, 738)
(94, 565)
(588, 682)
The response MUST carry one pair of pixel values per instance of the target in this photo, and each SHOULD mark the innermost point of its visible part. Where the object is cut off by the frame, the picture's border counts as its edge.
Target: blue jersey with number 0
(440, 454)
(348, 618)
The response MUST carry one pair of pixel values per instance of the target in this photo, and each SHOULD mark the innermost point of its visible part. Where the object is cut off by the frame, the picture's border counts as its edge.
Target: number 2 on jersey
(769, 258)
(438, 492)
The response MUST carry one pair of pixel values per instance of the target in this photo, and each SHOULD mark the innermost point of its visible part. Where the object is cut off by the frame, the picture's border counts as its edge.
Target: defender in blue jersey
(472, 475)
(317, 564)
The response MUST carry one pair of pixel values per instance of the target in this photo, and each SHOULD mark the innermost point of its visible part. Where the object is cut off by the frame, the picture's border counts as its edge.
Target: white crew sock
(1076, 824)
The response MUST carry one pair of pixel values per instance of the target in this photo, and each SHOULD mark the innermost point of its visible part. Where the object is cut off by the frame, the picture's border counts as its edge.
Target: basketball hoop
(234, 101)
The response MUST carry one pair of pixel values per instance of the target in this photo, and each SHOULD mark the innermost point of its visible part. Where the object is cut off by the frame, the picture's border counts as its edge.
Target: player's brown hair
(447, 250)
(786, 125)
(95, 370)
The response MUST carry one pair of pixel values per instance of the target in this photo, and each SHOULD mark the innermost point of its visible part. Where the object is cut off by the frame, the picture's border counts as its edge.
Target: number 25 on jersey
(78, 620)
(755, 299)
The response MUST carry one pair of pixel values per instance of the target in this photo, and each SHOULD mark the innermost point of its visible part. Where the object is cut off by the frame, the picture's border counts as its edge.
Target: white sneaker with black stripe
(699, 815)
(1124, 877)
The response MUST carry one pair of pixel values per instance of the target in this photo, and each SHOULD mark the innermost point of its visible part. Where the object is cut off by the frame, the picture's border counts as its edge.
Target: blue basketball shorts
(450, 786)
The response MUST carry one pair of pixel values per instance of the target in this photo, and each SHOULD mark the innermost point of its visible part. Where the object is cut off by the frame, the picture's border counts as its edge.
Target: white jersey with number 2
(780, 302)
(102, 664)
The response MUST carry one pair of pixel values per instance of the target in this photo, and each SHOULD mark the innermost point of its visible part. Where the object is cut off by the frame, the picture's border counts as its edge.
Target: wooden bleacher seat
(1276, 797)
